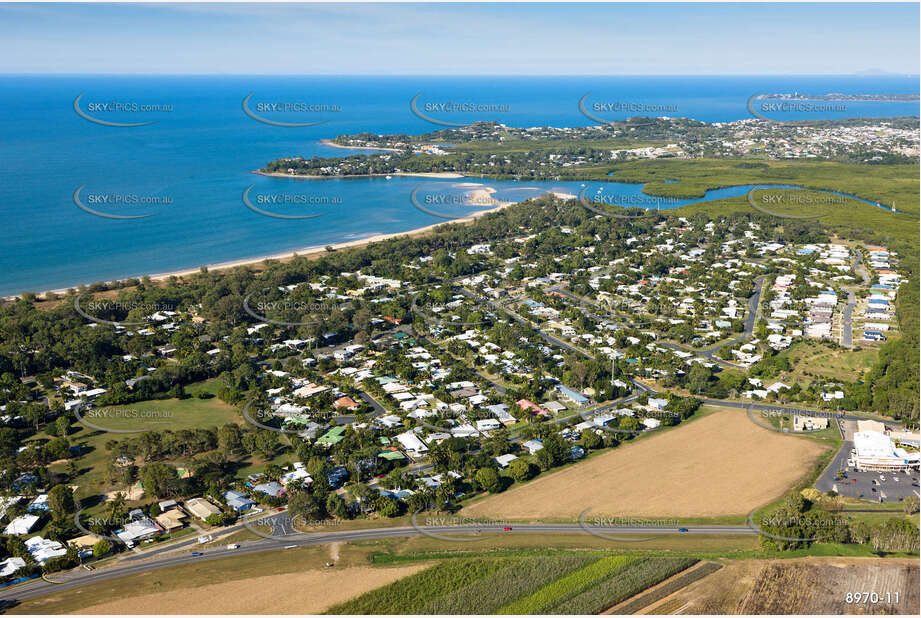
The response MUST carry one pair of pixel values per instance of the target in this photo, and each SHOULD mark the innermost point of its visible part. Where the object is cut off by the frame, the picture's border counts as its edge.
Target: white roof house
(488, 424)
(411, 442)
(139, 530)
(44, 549)
(11, 565)
(298, 475)
(533, 446)
(21, 525)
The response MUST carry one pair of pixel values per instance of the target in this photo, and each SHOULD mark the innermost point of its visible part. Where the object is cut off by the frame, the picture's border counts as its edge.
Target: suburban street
(847, 328)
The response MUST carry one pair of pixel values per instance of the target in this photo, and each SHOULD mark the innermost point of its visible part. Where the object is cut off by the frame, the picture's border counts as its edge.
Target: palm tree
(116, 508)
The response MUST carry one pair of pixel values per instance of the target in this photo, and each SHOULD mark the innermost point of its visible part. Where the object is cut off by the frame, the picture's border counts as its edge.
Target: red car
(507, 529)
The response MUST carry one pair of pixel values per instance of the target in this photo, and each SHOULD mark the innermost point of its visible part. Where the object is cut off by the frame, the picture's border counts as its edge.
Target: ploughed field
(815, 585)
(719, 465)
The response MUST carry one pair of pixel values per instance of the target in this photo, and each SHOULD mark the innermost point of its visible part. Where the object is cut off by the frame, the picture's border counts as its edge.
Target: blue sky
(461, 39)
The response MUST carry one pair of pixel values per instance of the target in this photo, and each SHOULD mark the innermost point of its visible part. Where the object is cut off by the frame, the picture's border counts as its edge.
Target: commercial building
(876, 451)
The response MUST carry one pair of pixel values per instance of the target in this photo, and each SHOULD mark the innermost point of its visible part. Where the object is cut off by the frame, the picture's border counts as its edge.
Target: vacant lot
(719, 465)
(309, 592)
(155, 415)
(815, 585)
(814, 359)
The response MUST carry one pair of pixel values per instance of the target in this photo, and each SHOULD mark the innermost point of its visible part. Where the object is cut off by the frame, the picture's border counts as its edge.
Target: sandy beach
(444, 175)
(332, 144)
(477, 195)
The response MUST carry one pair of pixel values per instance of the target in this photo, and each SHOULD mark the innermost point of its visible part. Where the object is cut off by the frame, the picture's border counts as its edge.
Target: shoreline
(308, 252)
(444, 175)
(332, 144)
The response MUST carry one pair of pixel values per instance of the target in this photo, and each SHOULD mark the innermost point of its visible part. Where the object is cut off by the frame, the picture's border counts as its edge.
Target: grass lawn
(158, 415)
(816, 359)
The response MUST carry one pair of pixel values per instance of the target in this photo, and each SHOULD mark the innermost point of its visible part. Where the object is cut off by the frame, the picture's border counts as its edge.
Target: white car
(233, 546)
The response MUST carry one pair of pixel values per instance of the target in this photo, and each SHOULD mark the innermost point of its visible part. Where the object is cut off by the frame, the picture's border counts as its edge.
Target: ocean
(190, 167)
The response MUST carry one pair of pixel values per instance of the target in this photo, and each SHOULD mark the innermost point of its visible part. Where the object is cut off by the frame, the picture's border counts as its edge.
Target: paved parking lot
(869, 486)
(864, 485)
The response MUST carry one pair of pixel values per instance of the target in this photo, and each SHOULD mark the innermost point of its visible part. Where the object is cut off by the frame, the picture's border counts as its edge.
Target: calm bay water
(200, 155)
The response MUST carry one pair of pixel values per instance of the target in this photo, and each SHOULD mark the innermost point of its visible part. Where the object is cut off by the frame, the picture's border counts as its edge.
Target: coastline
(332, 144)
(445, 175)
(313, 252)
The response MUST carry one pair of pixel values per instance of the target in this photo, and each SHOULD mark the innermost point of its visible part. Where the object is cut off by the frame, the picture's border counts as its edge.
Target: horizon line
(380, 75)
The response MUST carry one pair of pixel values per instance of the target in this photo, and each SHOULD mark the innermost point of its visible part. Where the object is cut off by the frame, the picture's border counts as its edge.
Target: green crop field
(621, 585)
(574, 582)
(566, 587)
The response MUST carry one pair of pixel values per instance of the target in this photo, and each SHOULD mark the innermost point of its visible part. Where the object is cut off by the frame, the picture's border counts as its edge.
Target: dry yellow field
(307, 592)
(718, 465)
(814, 585)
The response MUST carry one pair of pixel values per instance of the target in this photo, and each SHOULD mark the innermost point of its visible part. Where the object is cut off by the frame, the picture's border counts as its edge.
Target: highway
(81, 577)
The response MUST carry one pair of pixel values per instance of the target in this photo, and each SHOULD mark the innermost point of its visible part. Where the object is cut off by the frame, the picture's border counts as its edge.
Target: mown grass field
(155, 415)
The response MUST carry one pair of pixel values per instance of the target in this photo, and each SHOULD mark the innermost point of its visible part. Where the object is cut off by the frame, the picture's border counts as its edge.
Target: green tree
(101, 548)
(698, 378)
(488, 479)
(336, 506)
(302, 505)
(216, 519)
(589, 439)
(520, 470)
(61, 501)
(160, 480)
